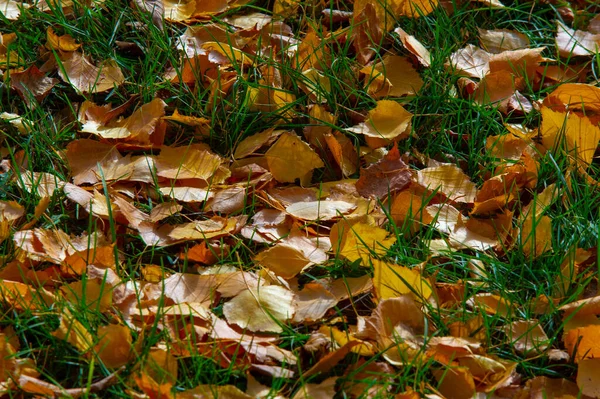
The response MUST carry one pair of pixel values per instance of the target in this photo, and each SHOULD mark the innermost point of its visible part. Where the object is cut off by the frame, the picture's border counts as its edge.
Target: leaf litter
(335, 193)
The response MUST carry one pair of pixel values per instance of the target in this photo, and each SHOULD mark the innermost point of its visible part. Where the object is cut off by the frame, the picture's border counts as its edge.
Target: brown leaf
(415, 47)
(114, 345)
(471, 61)
(573, 43)
(387, 176)
(499, 40)
(86, 77)
(32, 84)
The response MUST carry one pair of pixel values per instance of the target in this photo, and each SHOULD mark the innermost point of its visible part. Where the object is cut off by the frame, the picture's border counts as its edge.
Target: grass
(438, 111)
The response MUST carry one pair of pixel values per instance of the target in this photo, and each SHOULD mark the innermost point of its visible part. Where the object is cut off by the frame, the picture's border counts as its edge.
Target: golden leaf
(391, 280)
(114, 345)
(290, 158)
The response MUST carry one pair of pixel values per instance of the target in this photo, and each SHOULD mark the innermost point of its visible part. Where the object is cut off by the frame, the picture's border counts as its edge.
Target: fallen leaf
(290, 158)
(588, 380)
(359, 238)
(320, 210)
(86, 77)
(536, 235)
(573, 43)
(61, 43)
(498, 40)
(449, 180)
(470, 61)
(391, 280)
(415, 47)
(394, 76)
(261, 309)
(11, 10)
(527, 337)
(114, 345)
(455, 382)
(384, 177)
(32, 84)
(387, 120)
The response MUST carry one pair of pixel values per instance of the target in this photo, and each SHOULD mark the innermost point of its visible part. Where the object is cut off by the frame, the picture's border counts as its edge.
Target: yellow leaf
(408, 206)
(361, 347)
(387, 120)
(391, 280)
(576, 135)
(359, 238)
(577, 97)
(72, 331)
(161, 366)
(583, 342)
(193, 162)
(284, 260)
(413, 8)
(62, 43)
(536, 235)
(455, 382)
(344, 152)
(91, 293)
(252, 143)
(400, 76)
(114, 345)
(290, 158)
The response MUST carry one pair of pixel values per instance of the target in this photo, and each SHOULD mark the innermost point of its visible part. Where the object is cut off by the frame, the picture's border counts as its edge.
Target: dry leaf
(455, 382)
(527, 337)
(290, 158)
(85, 77)
(394, 76)
(11, 10)
(498, 40)
(32, 84)
(359, 238)
(61, 43)
(415, 47)
(471, 61)
(388, 120)
(261, 309)
(320, 210)
(384, 177)
(573, 43)
(391, 280)
(449, 180)
(588, 379)
(114, 345)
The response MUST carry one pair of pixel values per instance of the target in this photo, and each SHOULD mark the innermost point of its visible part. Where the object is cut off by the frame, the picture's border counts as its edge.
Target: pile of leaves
(329, 252)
